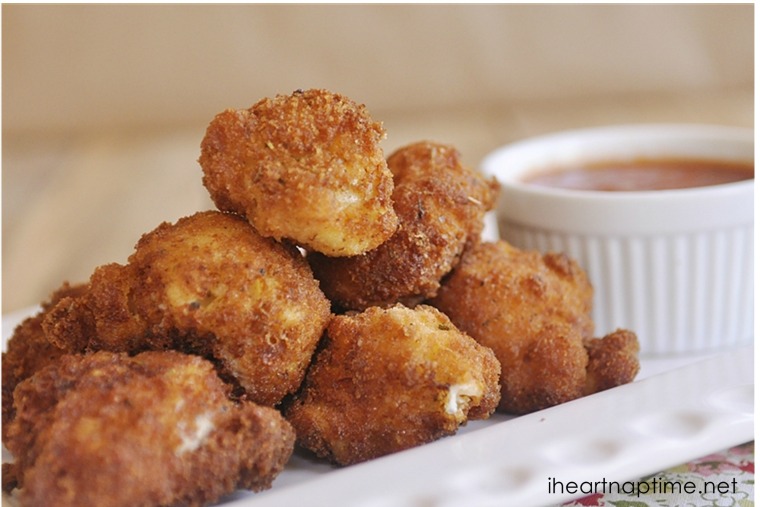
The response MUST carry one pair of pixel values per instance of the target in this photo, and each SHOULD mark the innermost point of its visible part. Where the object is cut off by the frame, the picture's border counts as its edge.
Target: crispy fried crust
(306, 167)
(28, 350)
(106, 430)
(391, 379)
(209, 285)
(441, 204)
(612, 360)
(533, 310)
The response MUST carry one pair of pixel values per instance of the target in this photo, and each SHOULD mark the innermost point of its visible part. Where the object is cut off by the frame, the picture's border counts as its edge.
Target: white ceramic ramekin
(675, 266)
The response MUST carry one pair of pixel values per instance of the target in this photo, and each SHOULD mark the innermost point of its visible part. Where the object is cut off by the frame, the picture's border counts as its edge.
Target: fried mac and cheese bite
(441, 204)
(306, 167)
(106, 429)
(390, 379)
(209, 285)
(534, 311)
(28, 350)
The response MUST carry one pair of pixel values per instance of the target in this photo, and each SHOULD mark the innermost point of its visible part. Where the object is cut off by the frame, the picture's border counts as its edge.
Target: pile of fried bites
(336, 299)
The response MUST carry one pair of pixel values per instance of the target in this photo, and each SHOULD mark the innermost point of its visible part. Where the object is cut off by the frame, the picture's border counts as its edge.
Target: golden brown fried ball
(28, 350)
(106, 429)
(209, 285)
(391, 379)
(441, 204)
(612, 360)
(307, 167)
(534, 312)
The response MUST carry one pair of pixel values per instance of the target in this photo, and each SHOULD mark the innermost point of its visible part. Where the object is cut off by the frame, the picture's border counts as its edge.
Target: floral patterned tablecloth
(722, 479)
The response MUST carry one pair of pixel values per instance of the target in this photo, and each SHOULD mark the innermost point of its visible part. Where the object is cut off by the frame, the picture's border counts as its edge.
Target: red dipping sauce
(643, 175)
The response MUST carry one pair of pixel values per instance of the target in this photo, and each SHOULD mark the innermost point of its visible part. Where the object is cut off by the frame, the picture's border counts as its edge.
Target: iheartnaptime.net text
(651, 486)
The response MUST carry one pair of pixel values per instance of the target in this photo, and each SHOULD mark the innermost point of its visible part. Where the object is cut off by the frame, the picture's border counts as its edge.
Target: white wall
(69, 67)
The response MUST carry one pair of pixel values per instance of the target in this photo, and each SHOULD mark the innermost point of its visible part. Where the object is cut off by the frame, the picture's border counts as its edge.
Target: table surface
(724, 478)
(73, 202)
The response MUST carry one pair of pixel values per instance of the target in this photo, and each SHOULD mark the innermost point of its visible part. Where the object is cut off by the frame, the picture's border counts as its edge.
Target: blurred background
(104, 106)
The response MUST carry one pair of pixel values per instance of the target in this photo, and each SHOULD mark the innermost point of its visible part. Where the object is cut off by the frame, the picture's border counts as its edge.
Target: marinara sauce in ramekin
(669, 249)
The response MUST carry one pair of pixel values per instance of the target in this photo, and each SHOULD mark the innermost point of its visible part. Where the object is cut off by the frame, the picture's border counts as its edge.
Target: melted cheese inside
(191, 440)
(459, 396)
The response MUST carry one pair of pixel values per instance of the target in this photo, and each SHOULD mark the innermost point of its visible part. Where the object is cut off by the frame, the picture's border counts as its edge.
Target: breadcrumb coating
(612, 360)
(107, 430)
(209, 285)
(390, 379)
(28, 350)
(441, 204)
(306, 167)
(534, 311)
